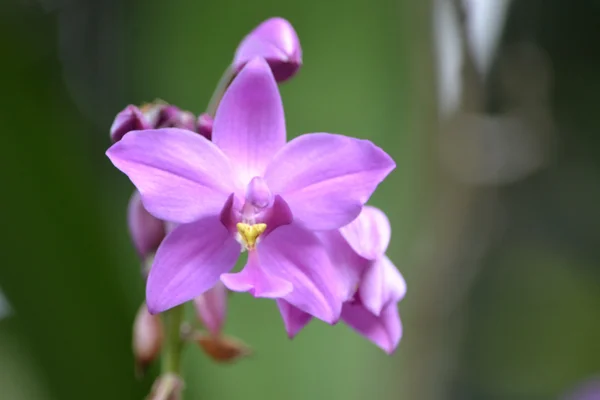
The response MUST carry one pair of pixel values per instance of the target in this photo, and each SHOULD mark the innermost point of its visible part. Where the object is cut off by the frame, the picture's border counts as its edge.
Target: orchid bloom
(374, 283)
(248, 187)
(276, 41)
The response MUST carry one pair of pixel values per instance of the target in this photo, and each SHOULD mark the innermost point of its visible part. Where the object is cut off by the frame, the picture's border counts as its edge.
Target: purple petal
(181, 176)
(326, 178)
(294, 319)
(384, 330)
(146, 231)
(382, 283)
(369, 234)
(349, 264)
(276, 41)
(189, 262)
(211, 308)
(130, 119)
(298, 256)
(256, 280)
(249, 125)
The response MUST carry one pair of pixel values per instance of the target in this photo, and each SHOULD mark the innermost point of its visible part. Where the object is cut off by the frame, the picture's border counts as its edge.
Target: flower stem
(217, 95)
(171, 358)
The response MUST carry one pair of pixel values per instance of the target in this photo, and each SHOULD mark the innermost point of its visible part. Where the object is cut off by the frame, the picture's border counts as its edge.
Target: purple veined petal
(249, 124)
(349, 264)
(180, 175)
(130, 119)
(145, 230)
(381, 283)
(294, 319)
(298, 256)
(189, 262)
(211, 308)
(256, 280)
(277, 42)
(326, 178)
(369, 234)
(384, 330)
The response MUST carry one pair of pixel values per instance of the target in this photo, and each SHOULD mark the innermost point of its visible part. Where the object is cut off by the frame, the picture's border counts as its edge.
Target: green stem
(171, 358)
(217, 95)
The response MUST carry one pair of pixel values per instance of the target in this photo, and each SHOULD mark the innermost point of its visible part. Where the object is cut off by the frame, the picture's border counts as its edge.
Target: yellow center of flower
(249, 233)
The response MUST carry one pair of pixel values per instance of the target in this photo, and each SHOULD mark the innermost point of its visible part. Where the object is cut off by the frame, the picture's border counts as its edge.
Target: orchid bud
(167, 387)
(204, 125)
(211, 308)
(276, 41)
(147, 338)
(172, 117)
(147, 232)
(163, 115)
(222, 349)
(130, 119)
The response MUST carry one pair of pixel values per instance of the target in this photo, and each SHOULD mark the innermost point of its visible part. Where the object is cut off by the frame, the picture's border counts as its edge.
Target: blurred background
(489, 107)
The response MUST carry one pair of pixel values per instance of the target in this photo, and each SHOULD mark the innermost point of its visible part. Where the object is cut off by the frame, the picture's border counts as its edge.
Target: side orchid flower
(248, 187)
(374, 282)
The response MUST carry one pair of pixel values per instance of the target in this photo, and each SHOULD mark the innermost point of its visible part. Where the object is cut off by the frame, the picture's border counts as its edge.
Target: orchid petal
(294, 319)
(298, 256)
(349, 264)
(384, 330)
(369, 234)
(381, 284)
(249, 125)
(180, 175)
(189, 262)
(326, 178)
(256, 280)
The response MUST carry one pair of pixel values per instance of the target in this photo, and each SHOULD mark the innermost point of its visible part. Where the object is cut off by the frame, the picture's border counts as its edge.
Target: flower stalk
(217, 95)
(173, 345)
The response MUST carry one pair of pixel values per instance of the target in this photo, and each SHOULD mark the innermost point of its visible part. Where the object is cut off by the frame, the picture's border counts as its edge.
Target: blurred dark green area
(503, 279)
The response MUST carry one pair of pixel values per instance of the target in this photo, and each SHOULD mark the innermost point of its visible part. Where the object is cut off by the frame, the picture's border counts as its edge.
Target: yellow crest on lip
(250, 233)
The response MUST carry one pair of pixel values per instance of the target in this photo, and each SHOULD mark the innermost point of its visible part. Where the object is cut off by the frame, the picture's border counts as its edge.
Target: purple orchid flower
(276, 41)
(249, 187)
(373, 283)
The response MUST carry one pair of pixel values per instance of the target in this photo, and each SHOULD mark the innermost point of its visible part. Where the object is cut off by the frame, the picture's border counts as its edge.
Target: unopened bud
(170, 116)
(222, 349)
(211, 308)
(147, 232)
(130, 119)
(204, 125)
(276, 41)
(147, 338)
(166, 387)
